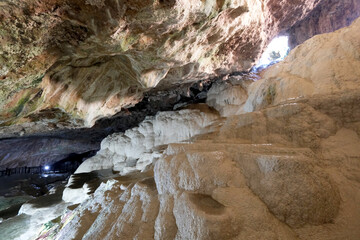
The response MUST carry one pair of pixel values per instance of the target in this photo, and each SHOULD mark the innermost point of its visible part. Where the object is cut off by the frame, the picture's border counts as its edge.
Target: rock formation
(134, 149)
(286, 169)
(328, 16)
(105, 54)
(268, 155)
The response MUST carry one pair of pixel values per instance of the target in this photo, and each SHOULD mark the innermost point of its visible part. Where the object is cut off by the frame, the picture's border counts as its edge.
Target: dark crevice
(59, 144)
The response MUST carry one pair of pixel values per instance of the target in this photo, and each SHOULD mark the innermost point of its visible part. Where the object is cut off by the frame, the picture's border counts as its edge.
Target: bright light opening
(277, 50)
(47, 167)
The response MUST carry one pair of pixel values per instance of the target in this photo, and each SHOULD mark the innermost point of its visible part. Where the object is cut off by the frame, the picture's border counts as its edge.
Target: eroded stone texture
(134, 149)
(329, 65)
(250, 183)
(274, 168)
(109, 52)
(280, 172)
(328, 16)
(57, 134)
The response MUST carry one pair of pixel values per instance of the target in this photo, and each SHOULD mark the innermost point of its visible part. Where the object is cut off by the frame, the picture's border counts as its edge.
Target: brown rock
(328, 16)
(157, 42)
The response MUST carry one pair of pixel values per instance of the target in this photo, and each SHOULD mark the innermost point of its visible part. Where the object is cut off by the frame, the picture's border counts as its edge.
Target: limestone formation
(135, 148)
(273, 156)
(327, 16)
(286, 170)
(321, 71)
(105, 54)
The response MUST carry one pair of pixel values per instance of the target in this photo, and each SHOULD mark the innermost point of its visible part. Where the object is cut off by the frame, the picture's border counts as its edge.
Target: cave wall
(328, 16)
(95, 58)
(286, 168)
(105, 54)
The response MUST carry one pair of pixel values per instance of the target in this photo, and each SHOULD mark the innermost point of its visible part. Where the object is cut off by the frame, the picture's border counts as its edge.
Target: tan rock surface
(263, 183)
(289, 170)
(107, 53)
(325, 64)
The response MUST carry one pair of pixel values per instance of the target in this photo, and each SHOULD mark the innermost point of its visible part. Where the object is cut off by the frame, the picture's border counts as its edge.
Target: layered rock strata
(286, 169)
(56, 135)
(276, 168)
(107, 53)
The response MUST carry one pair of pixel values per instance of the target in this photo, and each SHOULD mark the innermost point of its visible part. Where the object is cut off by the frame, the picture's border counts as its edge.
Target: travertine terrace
(176, 133)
